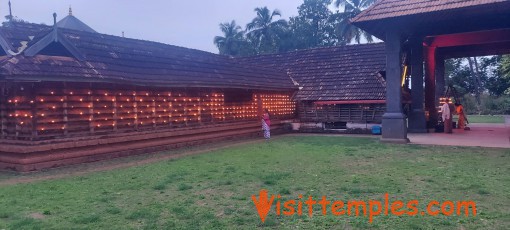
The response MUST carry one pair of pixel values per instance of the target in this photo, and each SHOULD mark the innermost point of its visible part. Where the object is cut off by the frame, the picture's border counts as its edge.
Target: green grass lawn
(213, 190)
(485, 119)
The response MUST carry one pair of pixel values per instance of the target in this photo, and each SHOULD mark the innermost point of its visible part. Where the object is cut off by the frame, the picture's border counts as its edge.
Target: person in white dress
(447, 117)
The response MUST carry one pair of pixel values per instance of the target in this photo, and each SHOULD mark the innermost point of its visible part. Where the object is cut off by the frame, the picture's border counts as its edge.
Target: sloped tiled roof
(110, 58)
(332, 74)
(20, 32)
(384, 9)
(71, 22)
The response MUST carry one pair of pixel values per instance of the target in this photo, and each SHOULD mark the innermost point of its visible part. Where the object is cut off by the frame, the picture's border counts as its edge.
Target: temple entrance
(429, 35)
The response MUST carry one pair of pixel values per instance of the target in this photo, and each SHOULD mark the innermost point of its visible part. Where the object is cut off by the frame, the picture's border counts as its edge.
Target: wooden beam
(185, 106)
(327, 113)
(260, 109)
(135, 111)
(362, 118)
(200, 98)
(115, 112)
(153, 107)
(316, 113)
(170, 109)
(473, 38)
(475, 50)
(211, 107)
(33, 110)
(3, 108)
(17, 127)
(350, 102)
(65, 114)
(223, 116)
(339, 111)
(91, 112)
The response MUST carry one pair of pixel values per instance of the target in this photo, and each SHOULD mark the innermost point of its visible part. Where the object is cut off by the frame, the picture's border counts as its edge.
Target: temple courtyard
(211, 186)
(494, 134)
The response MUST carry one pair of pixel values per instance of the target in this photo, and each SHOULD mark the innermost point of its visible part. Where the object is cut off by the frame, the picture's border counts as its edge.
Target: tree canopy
(316, 25)
(313, 26)
(264, 31)
(321, 23)
(344, 28)
(482, 82)
(232, 40)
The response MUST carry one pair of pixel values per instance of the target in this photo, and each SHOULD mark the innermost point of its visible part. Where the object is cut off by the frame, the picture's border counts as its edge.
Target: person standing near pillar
(462, 117)
(447, 117)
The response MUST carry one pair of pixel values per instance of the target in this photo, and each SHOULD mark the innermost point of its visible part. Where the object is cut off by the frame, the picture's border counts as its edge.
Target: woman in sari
(462, 117)
(266, 124)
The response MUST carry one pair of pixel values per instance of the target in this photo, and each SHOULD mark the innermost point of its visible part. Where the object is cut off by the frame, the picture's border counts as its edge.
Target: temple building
(339, 87)
(69, 94)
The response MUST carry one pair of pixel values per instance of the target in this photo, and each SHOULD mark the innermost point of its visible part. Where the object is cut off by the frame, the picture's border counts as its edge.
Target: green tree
(499, 80)
(232, 42)
(482, 83)
(504, 70)
(312, 27)
(458, 75)
(264, 32)
(505, 66)
(344, 28)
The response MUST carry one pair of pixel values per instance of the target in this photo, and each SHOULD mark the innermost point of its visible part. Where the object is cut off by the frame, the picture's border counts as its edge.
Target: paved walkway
(482, 134)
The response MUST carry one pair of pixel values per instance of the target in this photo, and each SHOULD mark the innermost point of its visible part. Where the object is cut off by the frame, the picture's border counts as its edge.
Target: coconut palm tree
(232, 40)
(344, 28)
(264, 32)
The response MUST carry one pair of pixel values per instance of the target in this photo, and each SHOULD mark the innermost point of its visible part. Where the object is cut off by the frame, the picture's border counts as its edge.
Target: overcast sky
(187, 23)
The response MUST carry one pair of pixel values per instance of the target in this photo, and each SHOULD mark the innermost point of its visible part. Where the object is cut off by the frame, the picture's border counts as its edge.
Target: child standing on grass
(266, 124)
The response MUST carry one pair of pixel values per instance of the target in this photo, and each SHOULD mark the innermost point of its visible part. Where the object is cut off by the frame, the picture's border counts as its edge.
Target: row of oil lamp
(235, 111)
(263, 97)
(197, 117)
(134, 93)
(281, 108)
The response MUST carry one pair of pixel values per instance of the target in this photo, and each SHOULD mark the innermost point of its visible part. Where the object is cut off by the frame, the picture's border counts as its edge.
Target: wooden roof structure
(397, 8)
(342, 73)
(37, 52)
(430, 31)
(433, 16)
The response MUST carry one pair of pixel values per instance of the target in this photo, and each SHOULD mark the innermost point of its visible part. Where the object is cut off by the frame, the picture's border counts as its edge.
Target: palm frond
(368, 37)
(276, 12)
(349, 7)
(218, 40)
(339, 3)
(356, 3)
(366, 3)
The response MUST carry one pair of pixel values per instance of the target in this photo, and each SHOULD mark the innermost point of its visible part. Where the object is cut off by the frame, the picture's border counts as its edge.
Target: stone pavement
(482, 134)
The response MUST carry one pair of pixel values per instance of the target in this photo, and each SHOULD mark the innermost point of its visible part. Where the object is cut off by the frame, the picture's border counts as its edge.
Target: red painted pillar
(440, 79)
(430, 86)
